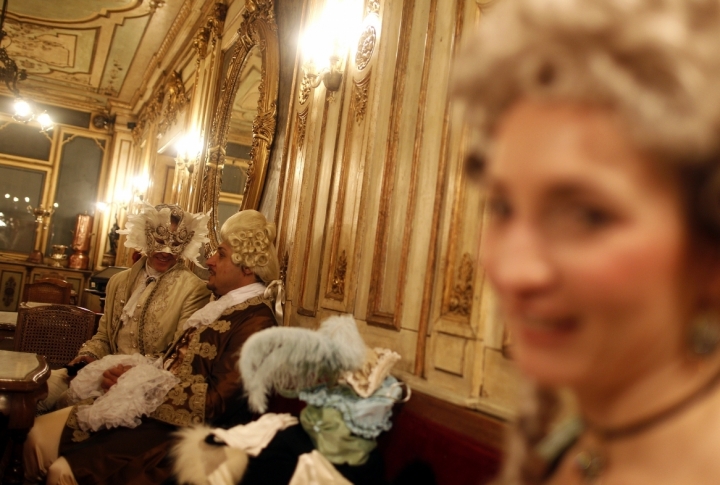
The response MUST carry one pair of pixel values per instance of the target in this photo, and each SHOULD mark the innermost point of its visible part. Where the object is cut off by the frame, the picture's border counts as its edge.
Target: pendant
(590, 464)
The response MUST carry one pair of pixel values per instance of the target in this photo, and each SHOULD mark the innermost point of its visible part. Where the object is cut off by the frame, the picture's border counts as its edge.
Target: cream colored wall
(377, 219)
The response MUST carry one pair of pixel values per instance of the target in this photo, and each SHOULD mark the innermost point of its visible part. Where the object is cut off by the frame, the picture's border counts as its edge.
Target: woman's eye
(594, 217)
(580, 218)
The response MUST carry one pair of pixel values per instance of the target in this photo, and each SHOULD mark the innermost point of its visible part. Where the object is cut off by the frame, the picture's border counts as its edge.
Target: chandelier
(10, 75)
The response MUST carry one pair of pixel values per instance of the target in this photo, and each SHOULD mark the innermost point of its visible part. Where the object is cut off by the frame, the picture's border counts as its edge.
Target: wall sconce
(188, 150)
(326, 42)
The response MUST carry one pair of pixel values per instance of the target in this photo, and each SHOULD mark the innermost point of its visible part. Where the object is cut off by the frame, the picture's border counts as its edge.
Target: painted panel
(11, 287)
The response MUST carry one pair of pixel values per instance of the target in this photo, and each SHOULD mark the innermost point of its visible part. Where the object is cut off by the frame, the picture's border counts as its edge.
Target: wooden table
(23, 382)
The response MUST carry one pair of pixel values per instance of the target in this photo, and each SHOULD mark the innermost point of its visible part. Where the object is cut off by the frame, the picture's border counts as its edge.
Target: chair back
(55, 331)
(48, 290)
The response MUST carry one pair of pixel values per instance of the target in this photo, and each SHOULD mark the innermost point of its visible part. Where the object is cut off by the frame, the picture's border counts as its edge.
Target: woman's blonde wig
(251, 237)
(654, 63)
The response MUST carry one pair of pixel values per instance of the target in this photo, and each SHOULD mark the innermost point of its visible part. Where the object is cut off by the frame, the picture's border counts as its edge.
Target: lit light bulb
(27, 199)
(7, 196)
(101, 206)
(15, 199)
(140, 183)
(23, 111)
(55, 205)
(46, 123)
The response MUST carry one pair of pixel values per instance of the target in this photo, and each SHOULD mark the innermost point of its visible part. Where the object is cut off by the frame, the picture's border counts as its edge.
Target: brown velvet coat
(205, 359)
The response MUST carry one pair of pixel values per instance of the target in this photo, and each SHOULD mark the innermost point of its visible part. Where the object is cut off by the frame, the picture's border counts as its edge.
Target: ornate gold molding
(461, 296)
(211, 31)
(305, 89)
(283, 268)
(360, 98)
(257, 30)
(366, 47)
(338, 281)
(163, 106)
(301, 128)
(372, 6)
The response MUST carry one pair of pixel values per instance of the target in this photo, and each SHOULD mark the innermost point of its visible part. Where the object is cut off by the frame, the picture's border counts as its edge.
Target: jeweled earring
(705, 333)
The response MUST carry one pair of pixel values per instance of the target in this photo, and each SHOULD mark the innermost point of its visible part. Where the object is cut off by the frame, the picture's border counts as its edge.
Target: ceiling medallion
(366, 46)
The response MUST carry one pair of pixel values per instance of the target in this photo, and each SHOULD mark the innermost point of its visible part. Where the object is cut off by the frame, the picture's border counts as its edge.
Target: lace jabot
(212, 311)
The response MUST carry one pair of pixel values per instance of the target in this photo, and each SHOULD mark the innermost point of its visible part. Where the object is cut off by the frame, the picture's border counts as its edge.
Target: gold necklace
(592, 461)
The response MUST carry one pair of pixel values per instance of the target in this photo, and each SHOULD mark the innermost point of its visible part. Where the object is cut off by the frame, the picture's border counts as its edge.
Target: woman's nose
(516, 261)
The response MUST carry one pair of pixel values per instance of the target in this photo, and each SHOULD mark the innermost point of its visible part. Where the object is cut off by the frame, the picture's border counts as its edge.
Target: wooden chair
(48, 290)
(55, 331)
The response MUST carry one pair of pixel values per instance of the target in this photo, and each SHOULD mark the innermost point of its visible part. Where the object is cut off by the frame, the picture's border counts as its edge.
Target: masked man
(148, 304)
(205, 382)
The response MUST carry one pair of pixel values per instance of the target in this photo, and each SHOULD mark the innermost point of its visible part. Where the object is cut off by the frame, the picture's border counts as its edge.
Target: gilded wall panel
(400, 168)
(344, 217)
(313, 209)
(378, 216)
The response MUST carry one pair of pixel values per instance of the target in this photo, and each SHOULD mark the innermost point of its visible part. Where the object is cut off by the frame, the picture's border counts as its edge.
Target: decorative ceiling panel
(88, 52)
(69, 10)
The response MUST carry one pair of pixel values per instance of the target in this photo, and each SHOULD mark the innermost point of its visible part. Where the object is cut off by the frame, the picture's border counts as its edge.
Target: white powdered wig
(292, 359)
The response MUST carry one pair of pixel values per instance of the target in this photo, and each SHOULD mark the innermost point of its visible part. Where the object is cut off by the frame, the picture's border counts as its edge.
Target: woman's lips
(546, 331)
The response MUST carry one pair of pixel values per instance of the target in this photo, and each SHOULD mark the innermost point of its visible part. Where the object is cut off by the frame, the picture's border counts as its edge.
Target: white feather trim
(196, 462)
(288, 358)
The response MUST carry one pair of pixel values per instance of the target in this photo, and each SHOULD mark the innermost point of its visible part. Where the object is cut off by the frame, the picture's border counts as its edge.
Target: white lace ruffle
(138, 392)
(212, 311)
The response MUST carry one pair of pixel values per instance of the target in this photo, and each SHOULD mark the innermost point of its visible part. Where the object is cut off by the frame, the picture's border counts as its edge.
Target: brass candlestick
(41, 215)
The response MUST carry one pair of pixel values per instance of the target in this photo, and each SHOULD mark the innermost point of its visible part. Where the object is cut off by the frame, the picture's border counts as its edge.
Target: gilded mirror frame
(258, 29)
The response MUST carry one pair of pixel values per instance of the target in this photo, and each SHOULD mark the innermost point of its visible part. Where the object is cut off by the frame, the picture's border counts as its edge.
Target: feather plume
(293, 359)
(195, 460)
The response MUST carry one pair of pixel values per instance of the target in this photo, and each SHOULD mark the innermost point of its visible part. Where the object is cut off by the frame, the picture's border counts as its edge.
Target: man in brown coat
(203, 359)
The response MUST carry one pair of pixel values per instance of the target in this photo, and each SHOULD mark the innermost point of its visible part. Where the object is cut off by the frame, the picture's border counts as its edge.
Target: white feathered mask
(151, 231)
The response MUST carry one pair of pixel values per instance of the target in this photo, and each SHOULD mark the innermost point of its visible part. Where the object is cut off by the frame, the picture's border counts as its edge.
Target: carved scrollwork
(211, 31)
(360, 98)
(372, 6)
(163, 107)
(338, 282)
(283, 268)
(462, 293)
(366, 47)
(301, 128)
(305, 89)
(257, 30)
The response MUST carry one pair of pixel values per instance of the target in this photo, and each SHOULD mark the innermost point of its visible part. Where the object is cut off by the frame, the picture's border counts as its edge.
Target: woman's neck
(649, 394)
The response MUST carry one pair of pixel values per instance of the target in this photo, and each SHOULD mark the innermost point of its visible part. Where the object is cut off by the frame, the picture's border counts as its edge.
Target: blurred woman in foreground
(595, 129)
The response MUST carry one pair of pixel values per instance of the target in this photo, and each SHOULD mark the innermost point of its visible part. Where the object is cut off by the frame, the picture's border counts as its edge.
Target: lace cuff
(138, 392)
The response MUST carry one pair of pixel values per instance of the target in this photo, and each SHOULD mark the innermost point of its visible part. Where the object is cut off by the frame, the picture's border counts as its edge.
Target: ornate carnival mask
(166, 229)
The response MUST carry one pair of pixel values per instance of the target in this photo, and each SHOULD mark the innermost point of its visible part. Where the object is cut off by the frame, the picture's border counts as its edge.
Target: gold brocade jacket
(164, 307)
(206, 361)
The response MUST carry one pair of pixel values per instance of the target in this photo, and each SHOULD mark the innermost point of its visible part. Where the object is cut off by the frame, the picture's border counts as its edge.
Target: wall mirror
(244, 121)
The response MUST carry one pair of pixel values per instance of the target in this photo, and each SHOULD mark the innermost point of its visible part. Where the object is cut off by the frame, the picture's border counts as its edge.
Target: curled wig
(653, 63)
(252, 239)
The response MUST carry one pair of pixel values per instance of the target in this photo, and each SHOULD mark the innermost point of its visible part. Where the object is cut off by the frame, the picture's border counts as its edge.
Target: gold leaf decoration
(462, 293)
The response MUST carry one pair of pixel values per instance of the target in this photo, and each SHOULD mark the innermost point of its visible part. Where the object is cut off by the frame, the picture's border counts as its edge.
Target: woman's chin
(560, 364)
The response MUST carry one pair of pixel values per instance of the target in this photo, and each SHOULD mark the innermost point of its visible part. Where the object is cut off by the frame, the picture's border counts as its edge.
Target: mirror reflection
(239, 137)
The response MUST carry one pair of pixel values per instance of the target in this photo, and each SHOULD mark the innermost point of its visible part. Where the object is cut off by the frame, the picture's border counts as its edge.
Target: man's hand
(111, 376)
(82, 358)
